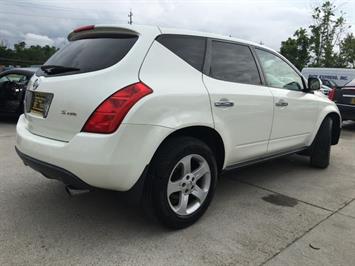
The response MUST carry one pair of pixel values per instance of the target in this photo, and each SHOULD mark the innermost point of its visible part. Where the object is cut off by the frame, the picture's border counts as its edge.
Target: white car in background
(325, 89)
(165, 111)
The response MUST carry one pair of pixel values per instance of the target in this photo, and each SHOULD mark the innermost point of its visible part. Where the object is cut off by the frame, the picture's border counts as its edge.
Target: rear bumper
(53, 172)
(115, 161)
(347, 111)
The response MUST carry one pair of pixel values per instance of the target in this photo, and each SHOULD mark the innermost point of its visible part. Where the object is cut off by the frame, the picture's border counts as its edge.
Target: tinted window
(92, 54)
(326, 83)
(14, 78)
(351, 83)
(278, 73)
(189, 48)
(233, 62)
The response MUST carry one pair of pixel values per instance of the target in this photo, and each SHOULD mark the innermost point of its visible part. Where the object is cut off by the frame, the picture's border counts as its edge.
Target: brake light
(84, 28)
(331, 95)
(110, 113)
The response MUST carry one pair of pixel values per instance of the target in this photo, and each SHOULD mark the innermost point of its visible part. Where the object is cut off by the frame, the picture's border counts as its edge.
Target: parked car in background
(340, 76)
(13, 85)
(325, 89)
(329, 83)
(165, 111)
(344, 98)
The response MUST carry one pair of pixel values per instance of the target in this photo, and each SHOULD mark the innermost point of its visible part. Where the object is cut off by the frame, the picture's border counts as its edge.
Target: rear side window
(233, 62)
(189, 48)
(91, 54)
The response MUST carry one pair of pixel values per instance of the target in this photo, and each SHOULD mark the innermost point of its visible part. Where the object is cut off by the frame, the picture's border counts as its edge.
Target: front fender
(326, 110)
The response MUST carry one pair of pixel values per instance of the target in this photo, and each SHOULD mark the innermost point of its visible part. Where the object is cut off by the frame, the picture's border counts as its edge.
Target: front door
(295, 111)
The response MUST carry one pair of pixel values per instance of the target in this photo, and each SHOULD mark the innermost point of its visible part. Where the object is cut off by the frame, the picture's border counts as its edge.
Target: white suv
(165, 111)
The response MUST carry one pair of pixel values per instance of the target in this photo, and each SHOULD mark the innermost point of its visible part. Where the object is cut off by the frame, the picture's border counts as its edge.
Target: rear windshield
(351, 83)
(86, 55)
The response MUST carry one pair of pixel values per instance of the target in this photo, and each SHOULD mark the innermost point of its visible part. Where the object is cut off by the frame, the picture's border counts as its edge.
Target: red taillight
(331, 94)
(84, 28)
(110, 113)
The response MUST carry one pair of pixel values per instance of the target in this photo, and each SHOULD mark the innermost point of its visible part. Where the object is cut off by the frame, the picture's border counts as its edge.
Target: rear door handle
(224, 103)
(281, 103)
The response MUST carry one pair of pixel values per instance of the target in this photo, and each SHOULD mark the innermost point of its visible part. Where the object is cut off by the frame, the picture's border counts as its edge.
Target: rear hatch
(96, 62)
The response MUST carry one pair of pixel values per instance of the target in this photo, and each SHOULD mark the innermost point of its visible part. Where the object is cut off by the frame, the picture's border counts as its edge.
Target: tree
(322, 44)
(347, 51)
(24, 55)
(326, 34)
(297, 49)
(19, 47)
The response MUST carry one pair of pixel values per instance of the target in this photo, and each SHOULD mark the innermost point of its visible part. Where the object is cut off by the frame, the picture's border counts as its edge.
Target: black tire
(320, 149)
(163, 165)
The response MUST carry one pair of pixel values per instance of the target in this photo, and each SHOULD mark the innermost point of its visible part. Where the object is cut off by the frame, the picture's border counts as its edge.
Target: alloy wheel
(189, 184)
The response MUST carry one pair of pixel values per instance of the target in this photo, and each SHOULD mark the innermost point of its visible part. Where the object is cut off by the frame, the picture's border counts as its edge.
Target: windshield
(86, 55)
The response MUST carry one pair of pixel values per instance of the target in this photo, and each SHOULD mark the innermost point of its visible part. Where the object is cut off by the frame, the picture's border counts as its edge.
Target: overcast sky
(270, 21)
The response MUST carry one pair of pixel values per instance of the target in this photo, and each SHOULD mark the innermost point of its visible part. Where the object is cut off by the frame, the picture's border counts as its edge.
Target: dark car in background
(13, 84)
(344, 97)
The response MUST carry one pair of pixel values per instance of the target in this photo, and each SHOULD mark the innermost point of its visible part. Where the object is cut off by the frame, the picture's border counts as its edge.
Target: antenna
(130, 15)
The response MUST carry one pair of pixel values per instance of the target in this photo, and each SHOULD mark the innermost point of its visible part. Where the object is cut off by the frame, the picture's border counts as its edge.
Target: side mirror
(314, 84)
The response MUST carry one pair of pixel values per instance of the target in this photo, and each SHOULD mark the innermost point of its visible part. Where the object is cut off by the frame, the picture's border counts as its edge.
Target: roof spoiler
(92, 31)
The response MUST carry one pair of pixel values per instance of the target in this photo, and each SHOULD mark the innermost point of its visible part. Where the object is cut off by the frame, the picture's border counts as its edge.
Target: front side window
(234, 63)
(278, 73)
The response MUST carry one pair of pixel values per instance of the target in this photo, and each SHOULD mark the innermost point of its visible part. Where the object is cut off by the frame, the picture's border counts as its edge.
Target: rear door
(242, 108)
(295, 111)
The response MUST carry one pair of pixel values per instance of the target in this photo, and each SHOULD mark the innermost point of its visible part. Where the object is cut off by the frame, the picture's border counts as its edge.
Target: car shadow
(348, 130)
(274, 169)
(8, 118)
(349, 126)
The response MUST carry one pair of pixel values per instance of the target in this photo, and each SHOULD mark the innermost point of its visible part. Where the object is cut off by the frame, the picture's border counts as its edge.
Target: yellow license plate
(352, 100)
(40, 103)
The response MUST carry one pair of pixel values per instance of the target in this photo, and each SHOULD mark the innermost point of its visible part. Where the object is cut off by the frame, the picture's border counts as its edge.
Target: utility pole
(130, 16)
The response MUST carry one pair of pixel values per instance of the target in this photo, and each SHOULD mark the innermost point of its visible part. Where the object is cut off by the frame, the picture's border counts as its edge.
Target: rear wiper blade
(53, 69)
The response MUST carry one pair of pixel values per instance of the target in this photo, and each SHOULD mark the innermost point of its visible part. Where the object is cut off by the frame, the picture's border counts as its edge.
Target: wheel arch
(207, 135)
(336, 127)
(334, 114)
